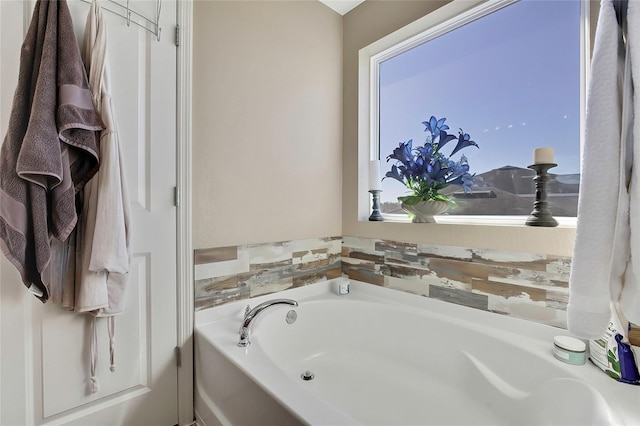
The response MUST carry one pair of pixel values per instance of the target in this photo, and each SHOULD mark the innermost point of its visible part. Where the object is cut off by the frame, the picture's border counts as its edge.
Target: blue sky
(510, 79)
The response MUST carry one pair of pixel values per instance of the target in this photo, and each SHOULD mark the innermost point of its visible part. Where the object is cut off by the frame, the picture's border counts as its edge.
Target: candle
(543, 156)
(375, 183)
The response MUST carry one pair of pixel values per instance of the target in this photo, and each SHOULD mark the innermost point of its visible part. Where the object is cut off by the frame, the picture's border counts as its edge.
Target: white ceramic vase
(424, 211)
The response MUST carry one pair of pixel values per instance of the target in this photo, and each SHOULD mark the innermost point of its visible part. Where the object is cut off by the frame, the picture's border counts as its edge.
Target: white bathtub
(384, 357)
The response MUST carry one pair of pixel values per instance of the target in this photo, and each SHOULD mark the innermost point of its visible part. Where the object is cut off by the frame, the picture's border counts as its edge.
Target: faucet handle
(246, 311)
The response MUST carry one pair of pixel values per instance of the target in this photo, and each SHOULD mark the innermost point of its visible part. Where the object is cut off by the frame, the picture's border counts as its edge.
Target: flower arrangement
(425, 170)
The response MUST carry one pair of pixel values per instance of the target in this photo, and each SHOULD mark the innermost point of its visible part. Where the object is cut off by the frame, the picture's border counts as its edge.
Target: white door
(44, 368)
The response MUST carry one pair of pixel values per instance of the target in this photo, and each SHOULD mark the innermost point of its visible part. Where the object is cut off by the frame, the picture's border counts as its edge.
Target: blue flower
(395, 174)
(425, 170)
(464, 140)
(443, 139)
(435, 126)
(403, 153)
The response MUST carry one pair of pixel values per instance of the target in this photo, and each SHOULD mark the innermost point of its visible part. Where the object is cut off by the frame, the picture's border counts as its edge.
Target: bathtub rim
(311, 409)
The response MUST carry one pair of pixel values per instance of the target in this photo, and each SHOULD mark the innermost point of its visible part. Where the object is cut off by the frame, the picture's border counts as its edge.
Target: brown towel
(50, 150)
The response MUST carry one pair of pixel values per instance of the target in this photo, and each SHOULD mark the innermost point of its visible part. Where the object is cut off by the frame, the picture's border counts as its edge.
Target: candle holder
(541, 216)
(375, 215)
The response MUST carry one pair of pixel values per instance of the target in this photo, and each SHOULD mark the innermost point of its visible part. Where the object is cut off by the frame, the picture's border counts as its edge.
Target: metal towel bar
(151, 25)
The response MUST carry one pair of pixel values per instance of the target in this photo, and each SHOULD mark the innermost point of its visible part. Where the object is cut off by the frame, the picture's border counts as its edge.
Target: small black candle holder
(375, 215)
(541, 216)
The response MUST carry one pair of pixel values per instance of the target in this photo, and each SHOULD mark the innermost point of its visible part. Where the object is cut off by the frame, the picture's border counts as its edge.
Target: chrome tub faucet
(251, 314)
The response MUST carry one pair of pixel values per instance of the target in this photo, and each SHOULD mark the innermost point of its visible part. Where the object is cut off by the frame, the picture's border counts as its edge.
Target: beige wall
(367, 23)
(269, 77)
(267, 122)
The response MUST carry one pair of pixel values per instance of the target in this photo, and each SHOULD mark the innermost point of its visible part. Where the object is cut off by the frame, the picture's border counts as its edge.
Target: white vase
(424, 211)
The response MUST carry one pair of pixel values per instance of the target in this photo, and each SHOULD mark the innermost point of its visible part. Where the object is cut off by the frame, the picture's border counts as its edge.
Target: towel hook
(158, 10)
(128, 14)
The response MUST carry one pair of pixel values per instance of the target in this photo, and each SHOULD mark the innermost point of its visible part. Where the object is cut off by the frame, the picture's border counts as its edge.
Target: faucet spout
(251, 314)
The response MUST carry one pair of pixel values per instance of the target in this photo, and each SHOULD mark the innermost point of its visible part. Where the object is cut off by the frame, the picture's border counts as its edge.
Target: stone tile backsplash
(527, 285)
(224, 274)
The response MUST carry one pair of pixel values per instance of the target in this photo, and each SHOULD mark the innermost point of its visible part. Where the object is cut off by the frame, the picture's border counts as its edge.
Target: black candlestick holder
(375, 215)
(541, 216)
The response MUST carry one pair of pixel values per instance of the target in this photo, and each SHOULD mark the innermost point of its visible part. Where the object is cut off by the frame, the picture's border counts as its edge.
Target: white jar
(570, 350)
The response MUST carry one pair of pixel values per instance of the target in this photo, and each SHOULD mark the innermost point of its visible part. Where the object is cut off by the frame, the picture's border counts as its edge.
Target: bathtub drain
(307, 375)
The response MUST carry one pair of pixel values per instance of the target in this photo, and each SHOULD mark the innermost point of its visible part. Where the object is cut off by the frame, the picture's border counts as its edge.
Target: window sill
(515, 221)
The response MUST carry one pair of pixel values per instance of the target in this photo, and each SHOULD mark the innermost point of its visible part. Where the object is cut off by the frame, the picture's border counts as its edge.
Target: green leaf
(616, 366)
(612, 374)
(440, 197)
(410, 200)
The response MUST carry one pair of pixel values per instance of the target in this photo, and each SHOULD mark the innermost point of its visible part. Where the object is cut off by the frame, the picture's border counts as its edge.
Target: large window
(511, 77)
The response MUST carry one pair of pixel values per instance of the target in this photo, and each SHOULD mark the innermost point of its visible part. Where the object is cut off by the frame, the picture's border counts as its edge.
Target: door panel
(45, 366)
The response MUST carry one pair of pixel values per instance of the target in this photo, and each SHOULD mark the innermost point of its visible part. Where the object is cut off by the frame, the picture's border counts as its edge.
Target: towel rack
(151, 25)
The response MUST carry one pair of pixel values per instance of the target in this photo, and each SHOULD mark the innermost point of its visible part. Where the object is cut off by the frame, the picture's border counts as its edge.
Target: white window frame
(445, 19)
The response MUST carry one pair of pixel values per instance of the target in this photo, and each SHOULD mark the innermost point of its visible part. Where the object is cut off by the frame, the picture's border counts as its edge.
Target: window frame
(447, 18)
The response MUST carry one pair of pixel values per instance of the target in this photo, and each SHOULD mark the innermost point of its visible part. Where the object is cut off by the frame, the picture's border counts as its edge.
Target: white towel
(630, 293)
(601, 268)
(104, 231)
(103, 239)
